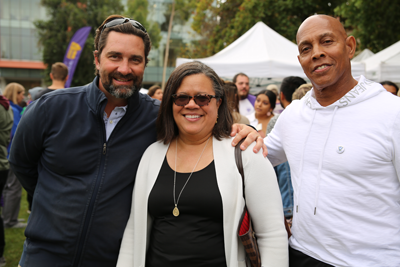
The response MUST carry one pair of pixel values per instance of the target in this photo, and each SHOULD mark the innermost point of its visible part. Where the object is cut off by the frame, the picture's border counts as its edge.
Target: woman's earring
(216, 120)
(269, 113)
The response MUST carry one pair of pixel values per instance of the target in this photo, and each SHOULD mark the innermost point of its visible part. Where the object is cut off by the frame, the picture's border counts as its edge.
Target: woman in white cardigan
(188, 197)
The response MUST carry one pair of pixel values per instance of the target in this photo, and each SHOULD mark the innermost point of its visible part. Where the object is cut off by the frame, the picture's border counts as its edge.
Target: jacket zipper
(77, 260)
(89, 212)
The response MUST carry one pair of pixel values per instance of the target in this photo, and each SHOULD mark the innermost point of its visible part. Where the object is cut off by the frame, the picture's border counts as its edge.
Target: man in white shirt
(246, 102)
(344, 157)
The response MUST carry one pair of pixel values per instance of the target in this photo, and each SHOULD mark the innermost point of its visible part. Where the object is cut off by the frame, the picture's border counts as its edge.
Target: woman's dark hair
(153, 89)
(271, 96)
(166, 127)
(391, 84)
(231, 95)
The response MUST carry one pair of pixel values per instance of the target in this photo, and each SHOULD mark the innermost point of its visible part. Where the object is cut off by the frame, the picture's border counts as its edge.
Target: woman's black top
(195, 238)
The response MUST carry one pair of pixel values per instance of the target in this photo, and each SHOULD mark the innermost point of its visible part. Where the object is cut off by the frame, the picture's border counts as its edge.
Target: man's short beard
(241, 97)
(121, 91)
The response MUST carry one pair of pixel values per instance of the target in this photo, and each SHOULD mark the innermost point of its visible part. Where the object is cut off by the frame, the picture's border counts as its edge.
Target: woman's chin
(259, 114)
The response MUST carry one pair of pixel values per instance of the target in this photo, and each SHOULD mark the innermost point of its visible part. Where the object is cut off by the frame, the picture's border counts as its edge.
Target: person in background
(288, 86)
(6, 123)
(390, 87)
(278, 107)
(246, 103)
(192, 219)
(58, 76)
(155, 92)
(301, 91)
(14, 92)
(32, 93)
(232, 98)
(263, 111)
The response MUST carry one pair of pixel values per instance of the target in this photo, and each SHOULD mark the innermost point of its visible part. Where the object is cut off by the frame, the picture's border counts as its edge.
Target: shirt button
(111, 121)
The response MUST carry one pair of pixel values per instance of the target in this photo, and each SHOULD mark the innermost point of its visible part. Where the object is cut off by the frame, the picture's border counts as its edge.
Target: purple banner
(74, 51)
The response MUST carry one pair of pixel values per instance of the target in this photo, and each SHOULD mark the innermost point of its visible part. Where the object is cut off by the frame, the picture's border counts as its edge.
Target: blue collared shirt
(115, 116)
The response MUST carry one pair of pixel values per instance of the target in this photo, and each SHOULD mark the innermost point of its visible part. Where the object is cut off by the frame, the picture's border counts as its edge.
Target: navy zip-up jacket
(81, 183)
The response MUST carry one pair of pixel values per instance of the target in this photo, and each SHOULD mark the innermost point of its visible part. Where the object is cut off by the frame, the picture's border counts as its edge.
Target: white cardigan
(262, 198)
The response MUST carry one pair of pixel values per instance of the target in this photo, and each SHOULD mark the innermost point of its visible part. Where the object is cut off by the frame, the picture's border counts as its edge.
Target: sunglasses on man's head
(120, 21)
(200, 99)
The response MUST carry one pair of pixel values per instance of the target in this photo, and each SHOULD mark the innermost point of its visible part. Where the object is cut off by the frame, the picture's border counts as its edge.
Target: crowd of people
(118, 178)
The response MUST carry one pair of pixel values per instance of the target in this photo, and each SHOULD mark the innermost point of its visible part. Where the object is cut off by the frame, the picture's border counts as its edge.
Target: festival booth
(357, 64)
(384, 65)
(366, 53)
(262, 54)
(357, 68)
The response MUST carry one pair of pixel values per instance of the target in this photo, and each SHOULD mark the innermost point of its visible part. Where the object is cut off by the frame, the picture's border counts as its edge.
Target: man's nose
(124, 67)
(317, 52)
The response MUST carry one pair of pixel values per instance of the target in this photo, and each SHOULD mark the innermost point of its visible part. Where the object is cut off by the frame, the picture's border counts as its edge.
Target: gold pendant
(175, 212)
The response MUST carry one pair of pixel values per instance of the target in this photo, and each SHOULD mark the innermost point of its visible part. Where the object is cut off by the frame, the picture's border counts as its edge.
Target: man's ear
(351, 46)
(66, 78)
(282, 97)
(51, 76)
(96, 59)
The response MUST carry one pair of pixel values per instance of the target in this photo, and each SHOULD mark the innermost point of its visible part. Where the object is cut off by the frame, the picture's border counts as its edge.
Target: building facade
(20, 55)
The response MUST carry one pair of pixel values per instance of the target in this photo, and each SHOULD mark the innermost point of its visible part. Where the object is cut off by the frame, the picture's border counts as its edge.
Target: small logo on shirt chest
(340, 149)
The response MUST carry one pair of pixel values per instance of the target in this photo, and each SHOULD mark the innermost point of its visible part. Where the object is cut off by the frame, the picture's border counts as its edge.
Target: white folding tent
(262, 54)
(259, 53)
(357, 68)
(384, 65)
(366, 53)
(357, 64)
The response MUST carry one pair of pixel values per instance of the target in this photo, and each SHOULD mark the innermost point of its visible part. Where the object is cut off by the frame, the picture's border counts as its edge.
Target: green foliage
(222, 23)
(65, 18)
(138, 10)
(375, 24)
(15, 237)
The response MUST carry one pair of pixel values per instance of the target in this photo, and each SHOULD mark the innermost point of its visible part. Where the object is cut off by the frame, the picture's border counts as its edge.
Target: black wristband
(252, 127)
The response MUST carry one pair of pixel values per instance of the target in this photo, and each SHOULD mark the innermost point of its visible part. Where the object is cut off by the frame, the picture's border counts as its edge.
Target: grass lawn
(15, 237)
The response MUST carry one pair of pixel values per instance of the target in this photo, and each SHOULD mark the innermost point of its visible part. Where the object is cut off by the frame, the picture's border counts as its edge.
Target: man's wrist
(252, 127)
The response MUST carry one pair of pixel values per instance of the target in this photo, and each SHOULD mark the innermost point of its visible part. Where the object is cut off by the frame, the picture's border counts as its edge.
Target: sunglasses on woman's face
(200, 99)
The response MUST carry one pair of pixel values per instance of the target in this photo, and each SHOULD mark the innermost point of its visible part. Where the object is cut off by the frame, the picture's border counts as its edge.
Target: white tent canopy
(366, 53)
(260, 53)
(357, 68)
(384, 65)
(357, 64)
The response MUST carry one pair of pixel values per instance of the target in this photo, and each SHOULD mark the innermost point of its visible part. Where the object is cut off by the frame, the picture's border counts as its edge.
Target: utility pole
(171, 18)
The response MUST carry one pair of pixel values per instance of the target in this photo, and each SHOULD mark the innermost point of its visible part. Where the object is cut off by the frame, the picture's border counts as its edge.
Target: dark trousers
(3, 180)
(299, 259)
(12, 200)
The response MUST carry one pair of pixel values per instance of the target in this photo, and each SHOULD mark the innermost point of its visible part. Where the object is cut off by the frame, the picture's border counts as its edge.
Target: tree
(375, 24)
(138, 10)
(65, 18)
(224, 22)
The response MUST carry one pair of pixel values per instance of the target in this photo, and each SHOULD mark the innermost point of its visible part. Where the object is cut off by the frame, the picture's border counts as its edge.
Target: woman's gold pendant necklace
(175, 211)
